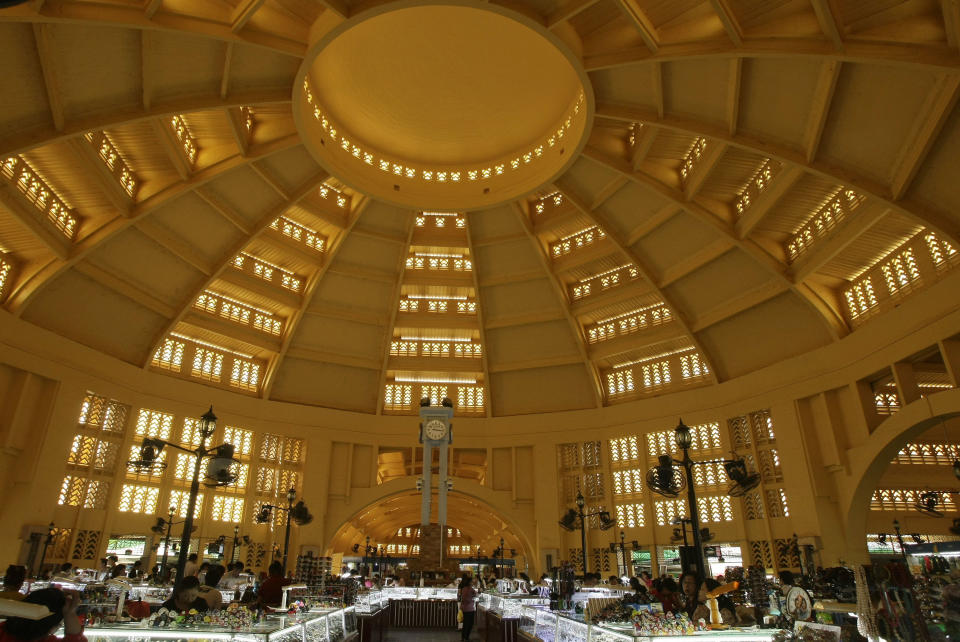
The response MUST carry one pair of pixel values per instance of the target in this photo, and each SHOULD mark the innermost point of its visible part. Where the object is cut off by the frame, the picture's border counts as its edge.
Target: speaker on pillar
(688, 558)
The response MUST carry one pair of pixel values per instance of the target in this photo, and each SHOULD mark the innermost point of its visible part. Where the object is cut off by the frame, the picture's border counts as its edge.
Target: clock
(435, 429)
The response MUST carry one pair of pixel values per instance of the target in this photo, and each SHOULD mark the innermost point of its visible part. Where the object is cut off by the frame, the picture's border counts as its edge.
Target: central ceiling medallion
(442, 106)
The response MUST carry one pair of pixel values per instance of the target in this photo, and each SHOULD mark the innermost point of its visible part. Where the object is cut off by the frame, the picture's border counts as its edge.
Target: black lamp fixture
(297, 513)
(575, 518)
(665, 479)
(896, 528)
(166, 525)
(622, 547)
(219, 472)
(48, 540)
(238, 540)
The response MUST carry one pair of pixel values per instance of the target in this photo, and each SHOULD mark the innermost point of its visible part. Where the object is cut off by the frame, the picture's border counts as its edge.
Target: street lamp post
(661, 479)
(218, 471)
(51, 531)
(896, 528)
(570, 519)
(167, 524)
(295, 512)
(684, 441)
(583, 533)
(236, 542)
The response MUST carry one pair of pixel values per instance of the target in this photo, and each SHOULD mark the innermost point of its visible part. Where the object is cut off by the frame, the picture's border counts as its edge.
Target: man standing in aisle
(468, 604)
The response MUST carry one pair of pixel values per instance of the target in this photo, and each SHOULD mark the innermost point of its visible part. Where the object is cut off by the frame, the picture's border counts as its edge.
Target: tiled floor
(425, 635)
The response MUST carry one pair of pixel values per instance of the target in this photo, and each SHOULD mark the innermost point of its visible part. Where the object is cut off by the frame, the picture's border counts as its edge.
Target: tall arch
(470, 506)
(869, 461)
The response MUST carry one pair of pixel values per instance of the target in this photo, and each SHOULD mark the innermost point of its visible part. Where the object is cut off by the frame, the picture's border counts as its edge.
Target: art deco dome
(530, 207)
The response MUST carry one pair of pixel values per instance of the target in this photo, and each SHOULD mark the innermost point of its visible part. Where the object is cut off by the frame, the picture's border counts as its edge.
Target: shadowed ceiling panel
(27, 107)
(556, 388)
(324, 384)
(79, 308)
(754, 338)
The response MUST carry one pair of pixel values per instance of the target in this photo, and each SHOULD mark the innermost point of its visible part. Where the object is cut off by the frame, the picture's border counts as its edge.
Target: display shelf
(330, 626)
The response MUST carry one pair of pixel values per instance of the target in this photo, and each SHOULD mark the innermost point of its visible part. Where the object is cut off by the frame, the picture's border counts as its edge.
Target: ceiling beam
(242, 13)
(836, 326)
(733, 94)
(938, 221)
(652, 222)
(643, 145)
(51, 81)
(938, 108)
(25, 294)
(824, 250)
(905, 55)
(567, 10)
(640, 21)
(695, 260)
(828, 16)
(226, 259)
(481, 324)
(309, 291)
(225, 74)
(608, 190)
(175, 244)
(741, 303)
(151, 7)
(820, 107)
(729, 21)
(702, 167)
(339, 7)
(34, 221)
(764, 202)
(656, 84)
(111, 280)
(147, 75)
(224, 210)
(237, 128)
(387, 331)
(951, 21)
(94, 167)
(560, 292)
(633, 257)
(174, 150)
(267, 177)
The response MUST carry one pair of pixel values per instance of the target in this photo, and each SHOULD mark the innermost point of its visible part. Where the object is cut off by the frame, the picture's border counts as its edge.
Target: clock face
(435, 429)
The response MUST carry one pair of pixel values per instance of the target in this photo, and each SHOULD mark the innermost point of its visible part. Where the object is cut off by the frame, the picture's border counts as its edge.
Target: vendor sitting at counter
(271, 590)
(639, 595)
(209, 591)
(12, 581)
(186, 596)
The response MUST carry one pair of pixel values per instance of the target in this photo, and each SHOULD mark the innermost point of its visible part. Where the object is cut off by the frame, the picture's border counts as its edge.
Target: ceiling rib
(679, 315)
(18, 301)
(951, 21)
(225, 75)
(820, 107)
(939, 222)
(310, 289)
(226, 259)
(733, 94)
(836, 326)
(829, 18)
(641, 23)
(387, 335)
(568, 10)
(938, 108)
(136, 17)
(895, 54)
(485, 357)
(45, 51)
(563, 300)
(729, 21)
(764, 202)
(22, 143)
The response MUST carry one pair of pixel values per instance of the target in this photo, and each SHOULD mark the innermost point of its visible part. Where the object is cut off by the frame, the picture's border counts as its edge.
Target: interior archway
(890, 437)
(394, 520)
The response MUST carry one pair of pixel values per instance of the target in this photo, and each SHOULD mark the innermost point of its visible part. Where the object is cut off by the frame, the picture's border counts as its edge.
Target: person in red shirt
(271, 590)
(468, 604)
(63, 607)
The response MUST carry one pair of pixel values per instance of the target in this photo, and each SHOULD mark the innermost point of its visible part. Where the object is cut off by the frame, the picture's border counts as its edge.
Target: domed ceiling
(528, 207)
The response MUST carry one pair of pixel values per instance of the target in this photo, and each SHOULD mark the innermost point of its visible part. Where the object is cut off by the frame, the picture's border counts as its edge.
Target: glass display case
(330, 626)
(370, 602)
(418, 593)
(536, 621)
